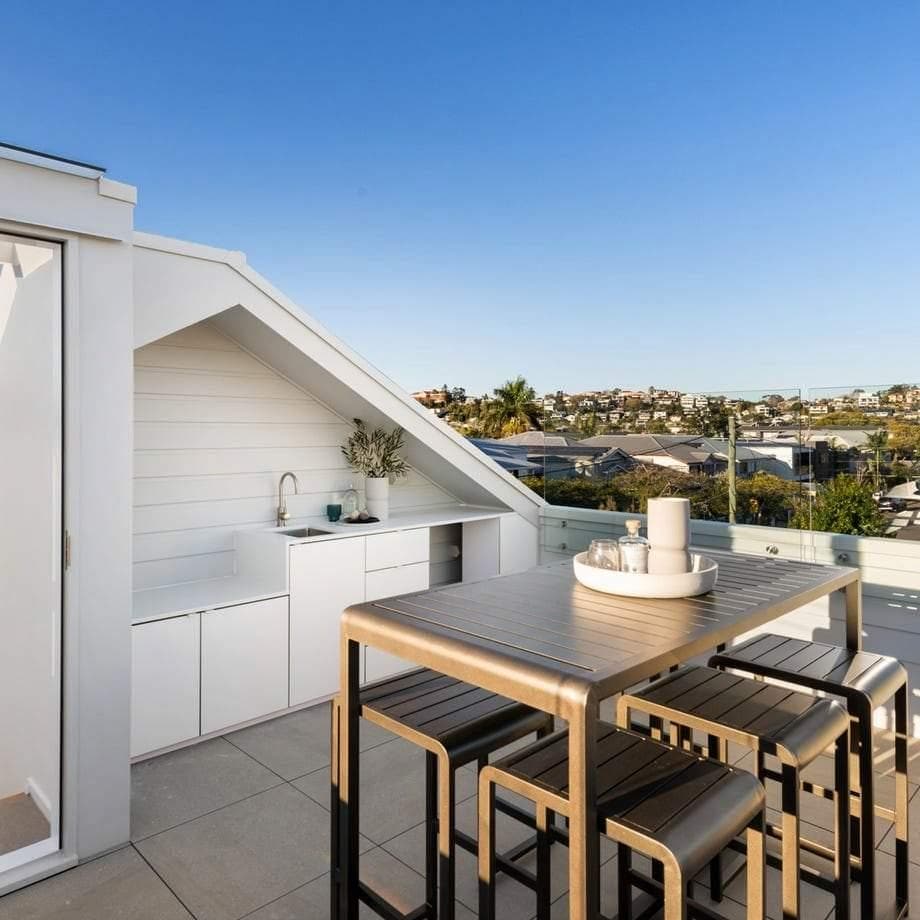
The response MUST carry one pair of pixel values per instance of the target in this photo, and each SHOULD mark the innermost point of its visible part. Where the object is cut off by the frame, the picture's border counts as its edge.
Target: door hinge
(66, 550)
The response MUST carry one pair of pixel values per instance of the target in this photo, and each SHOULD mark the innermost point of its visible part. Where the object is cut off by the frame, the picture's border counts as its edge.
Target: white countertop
(177, 600)
(193, 596)
(399, 520)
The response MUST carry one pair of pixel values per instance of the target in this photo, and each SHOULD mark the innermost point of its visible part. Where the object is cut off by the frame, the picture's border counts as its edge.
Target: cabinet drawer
(402, 547)
(388, 583)
(402, 580)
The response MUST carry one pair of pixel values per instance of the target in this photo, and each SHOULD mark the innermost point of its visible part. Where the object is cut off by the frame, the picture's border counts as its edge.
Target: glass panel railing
(869, 483)
(614, 449)
(842, 460)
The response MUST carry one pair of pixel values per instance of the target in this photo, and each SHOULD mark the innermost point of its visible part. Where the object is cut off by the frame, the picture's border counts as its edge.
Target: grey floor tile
(816, 903)
(884, 891)
(297, 744)
(403, 887)
(119, 886)
(913, 827)
(186, 784)
(232, 861)
(817, 813)
(392, 789)
(560, 907)
(512, 899)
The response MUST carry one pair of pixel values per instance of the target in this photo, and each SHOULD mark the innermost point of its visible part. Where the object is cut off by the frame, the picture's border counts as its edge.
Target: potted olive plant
(376, 454)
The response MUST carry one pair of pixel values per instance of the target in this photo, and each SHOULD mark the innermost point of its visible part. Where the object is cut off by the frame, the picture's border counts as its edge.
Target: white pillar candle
(669, 523)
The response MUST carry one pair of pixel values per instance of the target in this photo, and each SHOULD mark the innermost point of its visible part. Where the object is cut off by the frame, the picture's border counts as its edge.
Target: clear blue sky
(701, 195)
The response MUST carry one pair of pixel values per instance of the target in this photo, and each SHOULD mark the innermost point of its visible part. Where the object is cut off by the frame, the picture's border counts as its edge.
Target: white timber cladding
(177, 284)
(214, 430)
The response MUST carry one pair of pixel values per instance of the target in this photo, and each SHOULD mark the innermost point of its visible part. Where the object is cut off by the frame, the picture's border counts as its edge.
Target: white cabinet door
(164, 682)
(388, 583)
(244, 663)
(481, 549)
(326, 577)
(402, 547)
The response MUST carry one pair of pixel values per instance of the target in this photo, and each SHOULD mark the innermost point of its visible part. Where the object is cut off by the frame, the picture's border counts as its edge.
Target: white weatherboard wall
(214, 430)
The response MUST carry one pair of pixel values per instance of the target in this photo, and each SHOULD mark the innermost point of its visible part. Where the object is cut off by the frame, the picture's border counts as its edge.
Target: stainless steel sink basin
(301, 532)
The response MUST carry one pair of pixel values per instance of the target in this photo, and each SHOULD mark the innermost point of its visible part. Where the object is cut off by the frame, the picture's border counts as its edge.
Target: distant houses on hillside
(562, 457)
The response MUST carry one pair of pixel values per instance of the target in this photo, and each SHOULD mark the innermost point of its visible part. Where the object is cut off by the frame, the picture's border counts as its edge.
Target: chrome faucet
(283, 515)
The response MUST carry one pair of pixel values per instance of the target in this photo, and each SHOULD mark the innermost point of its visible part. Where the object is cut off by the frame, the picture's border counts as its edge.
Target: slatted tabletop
(546, 618)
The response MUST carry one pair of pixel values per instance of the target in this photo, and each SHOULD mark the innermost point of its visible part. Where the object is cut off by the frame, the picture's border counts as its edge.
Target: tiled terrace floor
(238, 827)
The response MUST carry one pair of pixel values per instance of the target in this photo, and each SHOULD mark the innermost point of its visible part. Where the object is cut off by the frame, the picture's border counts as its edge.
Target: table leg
(853, 596)
(584, 840)
(349, 712)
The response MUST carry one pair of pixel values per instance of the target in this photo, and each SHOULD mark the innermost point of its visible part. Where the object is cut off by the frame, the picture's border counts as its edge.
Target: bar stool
(794, 727)
(667, 804)
(865, 680)
(455, 723)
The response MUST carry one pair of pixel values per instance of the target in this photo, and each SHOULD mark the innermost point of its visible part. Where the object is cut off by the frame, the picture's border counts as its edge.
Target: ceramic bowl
(700, 579)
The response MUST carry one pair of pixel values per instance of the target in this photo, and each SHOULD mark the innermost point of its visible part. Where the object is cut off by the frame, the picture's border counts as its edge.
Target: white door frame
(66, 855)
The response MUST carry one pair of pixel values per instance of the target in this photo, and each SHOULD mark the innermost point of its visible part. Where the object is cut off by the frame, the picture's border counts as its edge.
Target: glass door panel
(30, 549)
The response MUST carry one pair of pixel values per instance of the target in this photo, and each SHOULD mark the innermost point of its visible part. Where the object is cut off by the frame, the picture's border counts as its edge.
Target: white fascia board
(354, 371)
(120, 191)
(43, 161)
(405, 406)
(43, 199)
(232, 257)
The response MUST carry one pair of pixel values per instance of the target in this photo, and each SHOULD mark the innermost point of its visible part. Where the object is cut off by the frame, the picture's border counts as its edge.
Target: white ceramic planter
(377, 497)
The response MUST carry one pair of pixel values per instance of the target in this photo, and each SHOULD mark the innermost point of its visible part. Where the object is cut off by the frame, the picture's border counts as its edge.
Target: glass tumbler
(604, 554)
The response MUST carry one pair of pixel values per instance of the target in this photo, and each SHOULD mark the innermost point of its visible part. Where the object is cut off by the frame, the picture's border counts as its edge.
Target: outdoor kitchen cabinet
(244, 662)
(325, 578)
(165, 678)
(397, 563)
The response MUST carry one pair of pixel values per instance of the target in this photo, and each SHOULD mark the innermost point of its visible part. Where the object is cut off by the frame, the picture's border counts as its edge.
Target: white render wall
(93, 218)
(214, 430)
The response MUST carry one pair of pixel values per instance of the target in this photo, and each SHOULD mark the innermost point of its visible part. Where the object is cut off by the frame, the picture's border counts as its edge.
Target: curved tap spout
(283, 515)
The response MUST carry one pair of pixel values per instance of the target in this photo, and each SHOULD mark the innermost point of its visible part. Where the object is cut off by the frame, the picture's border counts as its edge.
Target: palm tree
(514, 409)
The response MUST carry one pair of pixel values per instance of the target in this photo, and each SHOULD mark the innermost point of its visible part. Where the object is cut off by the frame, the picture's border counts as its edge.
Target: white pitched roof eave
(376, 386)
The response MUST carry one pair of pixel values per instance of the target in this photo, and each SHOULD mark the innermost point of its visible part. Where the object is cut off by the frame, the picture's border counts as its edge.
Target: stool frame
(673, 886)
(860, 704)
(682, 725)
(441, 834)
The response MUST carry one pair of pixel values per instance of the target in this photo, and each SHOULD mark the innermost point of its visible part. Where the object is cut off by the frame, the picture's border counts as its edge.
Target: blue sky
(703, 195)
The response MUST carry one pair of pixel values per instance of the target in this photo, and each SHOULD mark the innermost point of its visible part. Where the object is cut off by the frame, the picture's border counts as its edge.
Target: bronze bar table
(543, 639)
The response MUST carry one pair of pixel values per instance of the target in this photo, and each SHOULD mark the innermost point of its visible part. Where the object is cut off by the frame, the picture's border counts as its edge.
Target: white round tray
(700, 579)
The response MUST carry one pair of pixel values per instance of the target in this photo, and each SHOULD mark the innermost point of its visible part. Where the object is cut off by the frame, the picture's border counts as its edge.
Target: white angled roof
(178, 284)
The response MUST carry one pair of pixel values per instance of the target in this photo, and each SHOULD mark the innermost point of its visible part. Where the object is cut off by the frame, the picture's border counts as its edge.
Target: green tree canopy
(844, 505)
(904, 438)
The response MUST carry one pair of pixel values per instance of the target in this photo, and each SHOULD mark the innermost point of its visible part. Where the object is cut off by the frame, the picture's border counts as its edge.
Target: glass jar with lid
(349, 501)
(633, 550)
